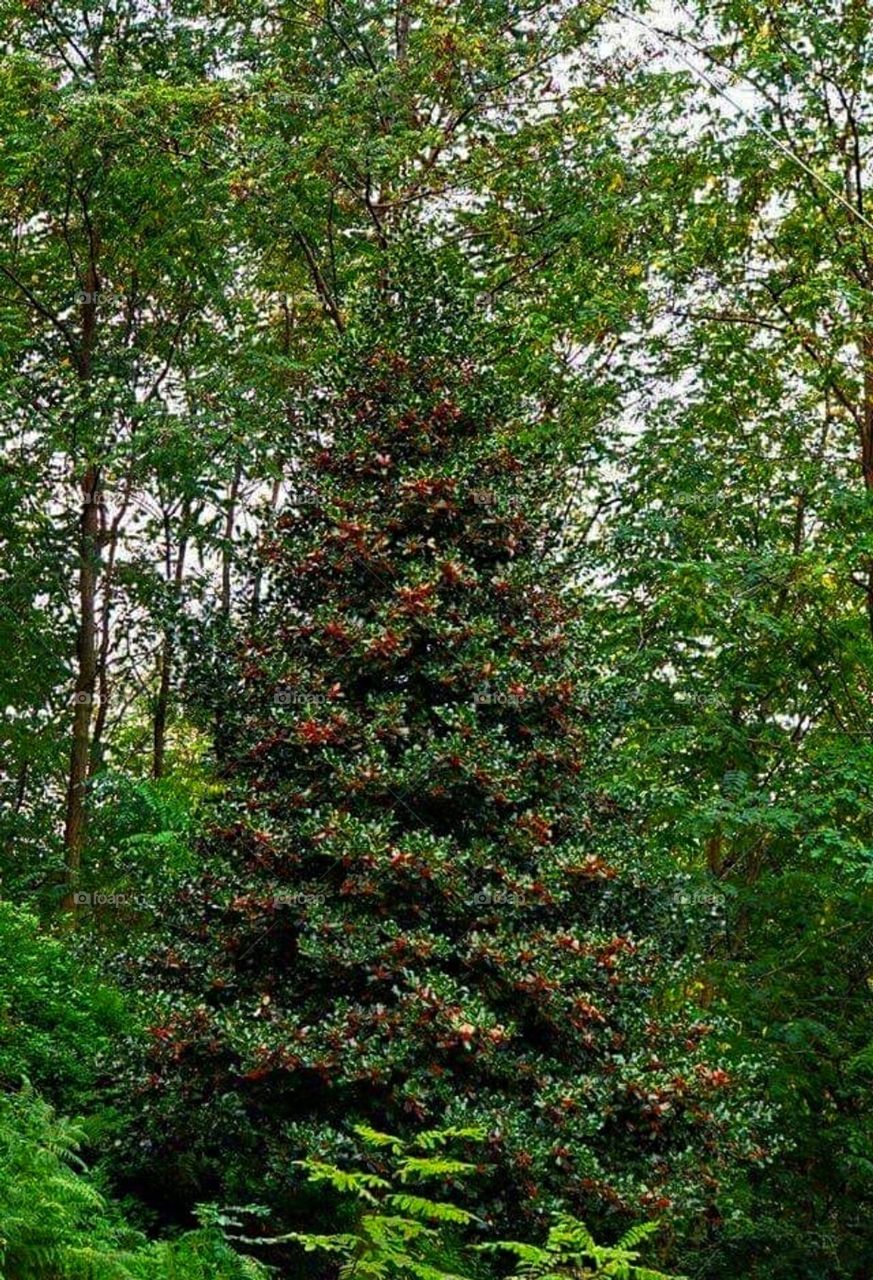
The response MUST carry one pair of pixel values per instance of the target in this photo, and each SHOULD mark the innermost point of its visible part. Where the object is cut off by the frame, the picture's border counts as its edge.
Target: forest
(436, 615)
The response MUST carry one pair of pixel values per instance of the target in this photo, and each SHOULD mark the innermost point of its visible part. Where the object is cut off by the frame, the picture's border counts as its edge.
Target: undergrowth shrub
(407, 1225)
(58, 1021)
(56, 1225)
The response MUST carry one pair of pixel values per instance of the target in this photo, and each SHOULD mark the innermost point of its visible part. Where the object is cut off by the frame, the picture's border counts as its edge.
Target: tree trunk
(866, 456)
(227, 549)
(162, 706)
(21, 786)
(401, 30)
(258, 573)
(111, 542)
(167, 654)
(89, 573)
(86, 676)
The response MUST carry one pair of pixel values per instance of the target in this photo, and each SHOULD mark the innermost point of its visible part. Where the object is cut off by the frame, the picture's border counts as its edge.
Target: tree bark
(162, 706)
(167, 653)
(89, 550)
(86, 677)
(866, 456)
(401, 30)
(258, 574)
(227, 548)
(21, 786)
(110, 540)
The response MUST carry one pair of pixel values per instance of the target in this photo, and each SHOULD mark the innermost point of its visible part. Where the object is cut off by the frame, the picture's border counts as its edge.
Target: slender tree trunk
(258, 574)
(89, 573)
(715, 856)
(105, 643)
(227, 549)
(866, 455)
(166, 658)
(226, 558)
(21, 786)
(401, 29)
(86, 677)
(162, 706)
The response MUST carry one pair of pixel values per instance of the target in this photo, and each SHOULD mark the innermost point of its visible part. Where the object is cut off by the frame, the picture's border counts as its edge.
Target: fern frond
(424, 1271)
(374, 1138)
(382, 1228)
(569, 1231)
(340, 1243)
(421, 1168)
(431, 1139)
(358, 1183)
(646, 1273)
(531, 1254)
(431, 1210)
(637, 1234)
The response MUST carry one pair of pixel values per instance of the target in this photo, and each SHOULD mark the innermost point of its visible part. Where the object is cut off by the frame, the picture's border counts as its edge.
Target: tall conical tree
(415, 923)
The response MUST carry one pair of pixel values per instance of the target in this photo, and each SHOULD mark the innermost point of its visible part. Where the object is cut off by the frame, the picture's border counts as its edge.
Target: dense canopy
(436, 598)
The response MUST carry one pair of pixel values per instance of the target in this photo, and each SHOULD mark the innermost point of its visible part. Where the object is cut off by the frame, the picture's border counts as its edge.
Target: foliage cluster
(411, 828)
(56, 1225)
(436, 604)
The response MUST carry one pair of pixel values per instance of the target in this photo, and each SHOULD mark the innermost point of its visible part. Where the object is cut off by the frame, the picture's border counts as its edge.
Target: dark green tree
(410, 914)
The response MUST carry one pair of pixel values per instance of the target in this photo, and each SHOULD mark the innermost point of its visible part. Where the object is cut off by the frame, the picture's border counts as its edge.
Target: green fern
(357, 1183)
(571, 1253)
(398, 1234)
(373, 1138)
(55, 1224)
(429, 1210)
(422, 1169)
(432, 1139)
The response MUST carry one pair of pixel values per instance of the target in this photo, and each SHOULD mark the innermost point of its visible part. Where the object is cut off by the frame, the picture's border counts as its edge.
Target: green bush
(55, 1224)
(401, 1229)
(57, 1021)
